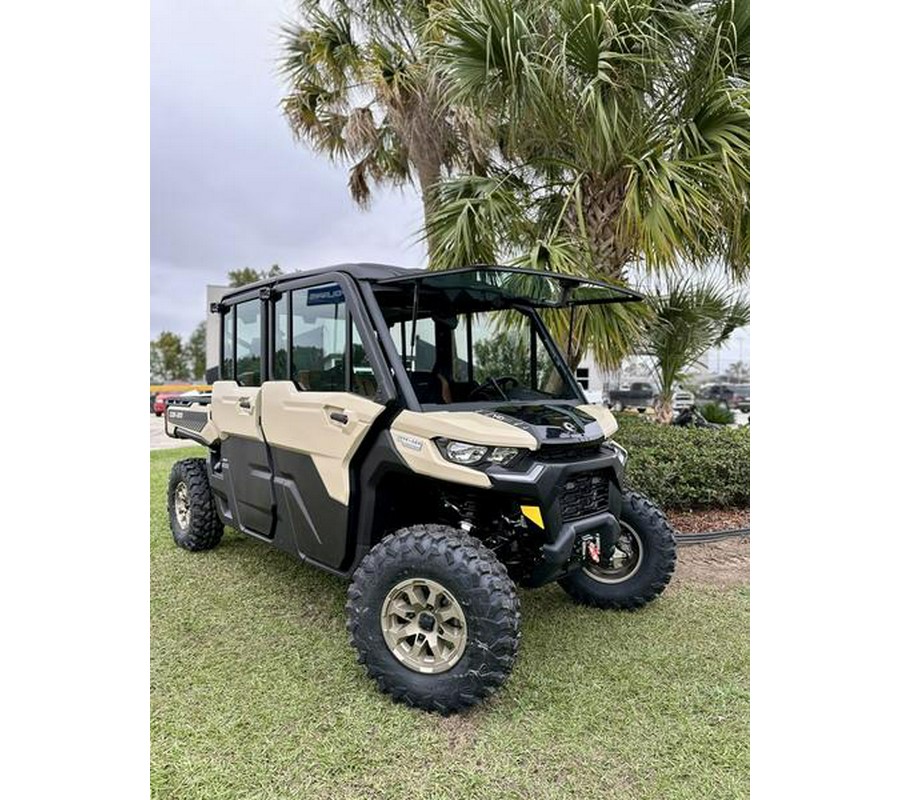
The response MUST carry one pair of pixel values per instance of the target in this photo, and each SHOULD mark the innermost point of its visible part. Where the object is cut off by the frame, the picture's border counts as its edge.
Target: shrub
(686, 467)
(713, 412)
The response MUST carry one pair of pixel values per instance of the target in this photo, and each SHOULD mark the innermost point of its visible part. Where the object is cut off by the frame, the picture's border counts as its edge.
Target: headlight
(502, 455)
(463, 453)
(476, 454)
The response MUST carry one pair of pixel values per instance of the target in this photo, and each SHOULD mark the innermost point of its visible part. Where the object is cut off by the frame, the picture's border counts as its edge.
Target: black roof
(362, 272)
(477, 287)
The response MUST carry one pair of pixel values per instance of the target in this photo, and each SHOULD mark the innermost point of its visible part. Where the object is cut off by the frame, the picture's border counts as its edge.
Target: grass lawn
(255, 692)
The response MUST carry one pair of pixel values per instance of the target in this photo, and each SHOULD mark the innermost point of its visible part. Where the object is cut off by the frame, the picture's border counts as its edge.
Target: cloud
(229, 185)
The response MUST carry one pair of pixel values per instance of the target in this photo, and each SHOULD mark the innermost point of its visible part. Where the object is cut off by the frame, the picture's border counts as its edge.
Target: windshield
(477, 288)
(477, 357)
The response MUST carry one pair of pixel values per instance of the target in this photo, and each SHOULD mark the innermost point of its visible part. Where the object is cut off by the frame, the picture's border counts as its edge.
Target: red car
(161, 400)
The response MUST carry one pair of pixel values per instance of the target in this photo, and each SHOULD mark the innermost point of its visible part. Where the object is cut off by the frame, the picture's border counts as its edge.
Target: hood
(556, 423)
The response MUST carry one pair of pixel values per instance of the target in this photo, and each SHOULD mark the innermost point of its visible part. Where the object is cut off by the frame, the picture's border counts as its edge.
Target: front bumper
(544, 484)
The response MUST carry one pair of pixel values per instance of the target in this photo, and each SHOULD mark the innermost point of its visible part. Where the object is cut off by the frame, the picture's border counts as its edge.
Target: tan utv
(420, 434)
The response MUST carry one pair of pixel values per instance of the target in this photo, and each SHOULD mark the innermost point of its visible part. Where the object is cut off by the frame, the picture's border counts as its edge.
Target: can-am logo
(173, 414)
(571, 427)
(410, 442)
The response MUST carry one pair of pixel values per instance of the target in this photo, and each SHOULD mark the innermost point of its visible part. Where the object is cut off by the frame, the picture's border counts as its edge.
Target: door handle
(244, 402)
(337, 416)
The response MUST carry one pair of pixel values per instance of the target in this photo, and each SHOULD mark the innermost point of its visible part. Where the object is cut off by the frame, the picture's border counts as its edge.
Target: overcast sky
(230, 187)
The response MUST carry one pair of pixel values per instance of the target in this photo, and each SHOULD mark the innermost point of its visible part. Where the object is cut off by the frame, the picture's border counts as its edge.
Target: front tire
(647, 563)
(434, 618)
(192, 510)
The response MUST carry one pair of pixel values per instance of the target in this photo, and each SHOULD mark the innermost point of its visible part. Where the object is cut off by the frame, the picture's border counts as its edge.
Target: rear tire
(654, 568)
(470, 593)
(192, 511)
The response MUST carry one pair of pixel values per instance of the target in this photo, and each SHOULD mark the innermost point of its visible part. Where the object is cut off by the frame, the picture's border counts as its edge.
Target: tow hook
(590, 549)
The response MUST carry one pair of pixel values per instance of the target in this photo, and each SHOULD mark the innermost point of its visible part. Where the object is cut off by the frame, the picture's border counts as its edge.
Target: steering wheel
(498, 384)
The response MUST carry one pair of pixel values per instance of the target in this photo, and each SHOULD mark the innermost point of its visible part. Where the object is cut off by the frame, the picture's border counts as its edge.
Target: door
(326, 392)
(244, 469)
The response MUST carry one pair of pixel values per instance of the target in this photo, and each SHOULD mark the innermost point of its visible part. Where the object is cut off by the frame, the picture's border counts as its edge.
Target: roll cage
(375, 295)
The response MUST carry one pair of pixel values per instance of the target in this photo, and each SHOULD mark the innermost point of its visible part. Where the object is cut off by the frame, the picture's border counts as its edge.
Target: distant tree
(739, 372)
(168, 360)
(689, 319)
(509, 353)
(245, 275)
(195, 352)
(156, 364)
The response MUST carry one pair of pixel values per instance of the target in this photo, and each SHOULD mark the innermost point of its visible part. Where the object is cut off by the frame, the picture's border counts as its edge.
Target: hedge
(686, 467)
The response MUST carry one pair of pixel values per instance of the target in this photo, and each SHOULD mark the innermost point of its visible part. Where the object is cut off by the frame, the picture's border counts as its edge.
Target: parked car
(162, 400)
(638, 395)
(682, 399)
(740, 397)
(720, 393)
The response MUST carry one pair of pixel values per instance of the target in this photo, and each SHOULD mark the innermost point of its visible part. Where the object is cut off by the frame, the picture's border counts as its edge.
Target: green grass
(255, 692)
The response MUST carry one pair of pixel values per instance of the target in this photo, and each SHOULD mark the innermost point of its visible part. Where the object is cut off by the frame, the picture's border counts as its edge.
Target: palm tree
(739, 372)
(689, 319)
(622, 133)
(361, 90)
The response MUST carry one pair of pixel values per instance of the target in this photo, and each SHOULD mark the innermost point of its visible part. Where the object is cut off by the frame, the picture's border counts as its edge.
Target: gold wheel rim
(423, 626)
(182, 506)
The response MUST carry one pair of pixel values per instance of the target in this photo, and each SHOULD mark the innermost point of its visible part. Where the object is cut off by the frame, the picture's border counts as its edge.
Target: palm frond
(474, 220)
(690, 317)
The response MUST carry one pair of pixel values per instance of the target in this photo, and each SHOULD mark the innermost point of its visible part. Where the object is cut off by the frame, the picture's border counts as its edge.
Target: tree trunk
(418, 116)
(601, 205)
(664, 412)
(429, 174)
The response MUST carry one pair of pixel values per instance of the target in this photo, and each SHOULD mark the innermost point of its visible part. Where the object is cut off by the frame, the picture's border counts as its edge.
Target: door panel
(235, 409)
(246, 468)
(327, 426)
(312, 437)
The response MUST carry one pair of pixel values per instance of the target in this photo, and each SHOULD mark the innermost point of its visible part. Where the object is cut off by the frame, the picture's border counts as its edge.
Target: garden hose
(711, 536)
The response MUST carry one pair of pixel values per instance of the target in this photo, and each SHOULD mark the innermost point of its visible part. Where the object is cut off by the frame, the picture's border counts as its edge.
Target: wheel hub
(423, 625)
(623, 562)
(426, 622)
(182, 506)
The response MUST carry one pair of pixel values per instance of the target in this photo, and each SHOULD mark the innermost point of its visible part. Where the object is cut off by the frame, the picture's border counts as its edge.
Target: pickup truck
(637, 395)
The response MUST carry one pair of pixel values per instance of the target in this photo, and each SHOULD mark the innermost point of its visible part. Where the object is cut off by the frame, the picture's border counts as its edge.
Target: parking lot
(158, 438)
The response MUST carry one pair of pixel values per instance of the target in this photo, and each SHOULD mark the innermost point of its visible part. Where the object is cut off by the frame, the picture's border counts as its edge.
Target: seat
(427, 386)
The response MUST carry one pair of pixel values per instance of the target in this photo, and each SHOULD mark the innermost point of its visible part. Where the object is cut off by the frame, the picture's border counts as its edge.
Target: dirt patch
(716, 519)
(723, 564)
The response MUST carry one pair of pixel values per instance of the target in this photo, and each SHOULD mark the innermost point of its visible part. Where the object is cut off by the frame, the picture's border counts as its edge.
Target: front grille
(583, 495)
(569, 451)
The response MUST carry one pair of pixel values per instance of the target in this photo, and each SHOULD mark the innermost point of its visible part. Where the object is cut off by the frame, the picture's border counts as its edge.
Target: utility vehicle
(421, 434)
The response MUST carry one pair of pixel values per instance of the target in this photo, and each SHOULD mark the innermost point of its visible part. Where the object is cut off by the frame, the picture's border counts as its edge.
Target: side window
(227, 370)
(249, 343)
(422, 357)
(280, 348)
(320, 339)
(321, 359)
(364, 382)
